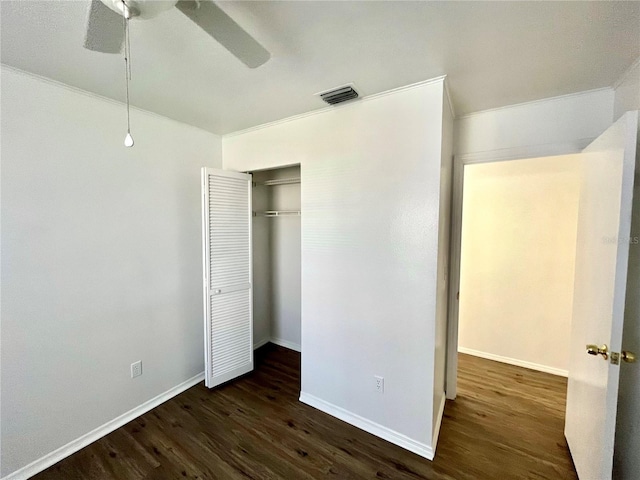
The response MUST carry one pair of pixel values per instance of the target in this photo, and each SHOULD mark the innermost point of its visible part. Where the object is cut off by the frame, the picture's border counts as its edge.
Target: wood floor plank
(507, 422)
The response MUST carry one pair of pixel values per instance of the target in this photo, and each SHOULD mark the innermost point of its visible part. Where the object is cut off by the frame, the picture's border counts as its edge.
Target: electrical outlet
(379, 383)
(136, 369)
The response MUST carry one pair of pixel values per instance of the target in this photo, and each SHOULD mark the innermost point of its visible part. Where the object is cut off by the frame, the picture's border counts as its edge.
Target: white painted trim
(97, 96)
(286, 344)
(448, 96)
(533, 102)
(373, 428)
(206, 262)
(451, 374)
(515, 361)
(261, 343)
(53, 457)
(626, 73)
(333, 108)
(230, 134)
(278, 341)
(436, 430)
(529, 151)
(459, 162)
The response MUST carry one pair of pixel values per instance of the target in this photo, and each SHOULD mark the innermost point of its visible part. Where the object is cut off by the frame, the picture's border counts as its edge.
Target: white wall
(627, 91)
(286, 262)
(370, 203)
(101, 262)
(567, 120)
(517, 265)
(261, 250)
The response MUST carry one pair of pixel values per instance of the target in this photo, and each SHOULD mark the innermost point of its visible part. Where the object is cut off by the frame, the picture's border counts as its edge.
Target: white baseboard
(286, 344)
(276, 341)
(515, 361)
(99, 432)
(262, 342)
(436, 429)
(362, 423)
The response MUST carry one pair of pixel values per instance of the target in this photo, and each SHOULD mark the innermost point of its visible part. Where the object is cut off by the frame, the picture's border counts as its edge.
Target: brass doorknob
(628, 357)
(596, 350)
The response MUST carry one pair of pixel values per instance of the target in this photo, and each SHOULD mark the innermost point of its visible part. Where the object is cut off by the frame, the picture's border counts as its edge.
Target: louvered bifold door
(227, 275)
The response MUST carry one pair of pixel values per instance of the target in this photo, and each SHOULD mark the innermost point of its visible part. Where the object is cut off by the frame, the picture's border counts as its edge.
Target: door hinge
(458, 296)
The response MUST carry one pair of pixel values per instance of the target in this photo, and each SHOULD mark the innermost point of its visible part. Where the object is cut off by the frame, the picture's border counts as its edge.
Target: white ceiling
(494, 53)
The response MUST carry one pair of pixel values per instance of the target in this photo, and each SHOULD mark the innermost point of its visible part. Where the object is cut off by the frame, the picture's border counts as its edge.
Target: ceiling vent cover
(339, 95)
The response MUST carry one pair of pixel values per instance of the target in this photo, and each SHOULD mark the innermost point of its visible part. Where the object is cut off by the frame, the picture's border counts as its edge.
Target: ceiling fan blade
(208, 16)
(105, 32)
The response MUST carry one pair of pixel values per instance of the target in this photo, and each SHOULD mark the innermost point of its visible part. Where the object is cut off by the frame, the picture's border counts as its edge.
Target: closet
(276, 257)
(251, 266)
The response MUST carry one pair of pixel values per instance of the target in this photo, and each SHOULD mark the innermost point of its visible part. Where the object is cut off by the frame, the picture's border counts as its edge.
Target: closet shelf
(277, 213)
(280, 181)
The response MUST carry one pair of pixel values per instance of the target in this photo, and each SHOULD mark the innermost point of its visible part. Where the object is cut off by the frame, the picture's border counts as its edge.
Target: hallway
(507, 422)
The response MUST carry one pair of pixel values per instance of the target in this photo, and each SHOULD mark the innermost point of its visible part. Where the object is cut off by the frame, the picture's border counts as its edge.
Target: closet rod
(280, 181)
(277, 213)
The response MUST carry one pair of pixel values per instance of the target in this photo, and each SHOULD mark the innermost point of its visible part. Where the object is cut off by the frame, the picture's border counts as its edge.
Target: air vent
(339, 95)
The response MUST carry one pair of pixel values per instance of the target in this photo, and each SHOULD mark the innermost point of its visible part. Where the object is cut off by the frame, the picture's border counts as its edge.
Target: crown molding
(334, 108)
(541, 100)
(626, 73)
(95, 96)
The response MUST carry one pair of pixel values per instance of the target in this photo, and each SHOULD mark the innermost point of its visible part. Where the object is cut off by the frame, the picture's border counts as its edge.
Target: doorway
(596, 353)
(251, 265)
(463, 164)
(517, 236)
(517, 262)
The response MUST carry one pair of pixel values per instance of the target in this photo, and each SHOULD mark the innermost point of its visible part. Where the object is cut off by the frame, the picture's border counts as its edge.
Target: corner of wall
(369, 426)
(447, 98)
(397, 133)
(443, 264)
(100, 201)
(627, 91)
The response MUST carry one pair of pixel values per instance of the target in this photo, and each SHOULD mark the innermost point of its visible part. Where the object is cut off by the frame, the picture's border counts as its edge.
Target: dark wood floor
(506, 424)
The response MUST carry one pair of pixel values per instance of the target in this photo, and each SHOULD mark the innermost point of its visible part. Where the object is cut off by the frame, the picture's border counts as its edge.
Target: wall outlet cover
(136, 369)
(379, 383)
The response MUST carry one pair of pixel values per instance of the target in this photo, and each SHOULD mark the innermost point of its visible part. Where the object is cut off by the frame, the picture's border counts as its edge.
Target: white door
(226, 231)
(604, 228)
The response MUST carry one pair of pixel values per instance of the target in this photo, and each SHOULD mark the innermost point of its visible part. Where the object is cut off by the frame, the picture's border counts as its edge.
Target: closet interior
(276, 257)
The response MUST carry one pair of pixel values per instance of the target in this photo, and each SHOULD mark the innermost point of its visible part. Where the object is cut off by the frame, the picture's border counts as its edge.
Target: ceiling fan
(108, 31)
(105, 32)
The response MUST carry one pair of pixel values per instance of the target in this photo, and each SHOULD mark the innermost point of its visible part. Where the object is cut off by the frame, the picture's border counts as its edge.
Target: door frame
(459, 162)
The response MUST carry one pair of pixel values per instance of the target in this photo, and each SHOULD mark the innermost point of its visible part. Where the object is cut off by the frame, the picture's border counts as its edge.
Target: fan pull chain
(128, 140)
(128, 39)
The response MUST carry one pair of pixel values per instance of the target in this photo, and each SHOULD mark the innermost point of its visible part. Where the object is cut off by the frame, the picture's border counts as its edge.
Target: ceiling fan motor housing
(105, 32)
(140, 8)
